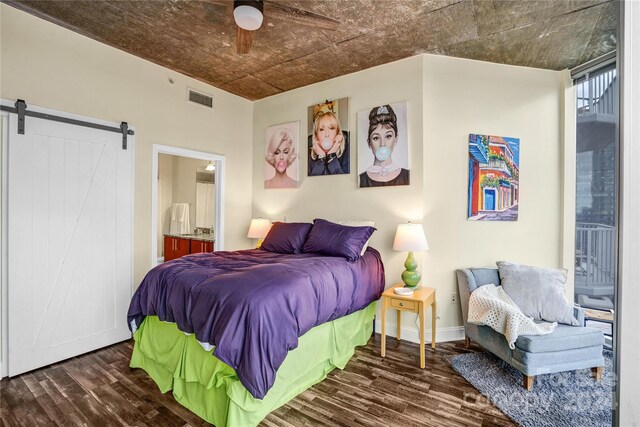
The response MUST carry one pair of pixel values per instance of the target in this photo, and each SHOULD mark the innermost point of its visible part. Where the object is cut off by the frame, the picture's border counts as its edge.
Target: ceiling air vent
(200, 98)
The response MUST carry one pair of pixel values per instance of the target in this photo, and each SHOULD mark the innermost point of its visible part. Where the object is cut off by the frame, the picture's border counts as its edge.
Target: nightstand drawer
(403, 304)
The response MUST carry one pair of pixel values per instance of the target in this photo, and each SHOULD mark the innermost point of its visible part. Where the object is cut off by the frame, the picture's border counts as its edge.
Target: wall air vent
(200, 98)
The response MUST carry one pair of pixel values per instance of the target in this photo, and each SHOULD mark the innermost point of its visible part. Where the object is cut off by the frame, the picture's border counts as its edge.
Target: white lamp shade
(410, 237)
(247, 17)
(259, 228)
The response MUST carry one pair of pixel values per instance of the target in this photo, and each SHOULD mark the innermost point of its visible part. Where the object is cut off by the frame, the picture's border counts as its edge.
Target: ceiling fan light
(210, 167)
(248, 14)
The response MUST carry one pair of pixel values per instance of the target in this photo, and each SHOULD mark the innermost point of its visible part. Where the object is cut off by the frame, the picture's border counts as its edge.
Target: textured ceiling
(197, 38)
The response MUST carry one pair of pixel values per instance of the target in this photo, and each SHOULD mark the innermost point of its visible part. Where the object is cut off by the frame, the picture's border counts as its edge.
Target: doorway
(199, 209)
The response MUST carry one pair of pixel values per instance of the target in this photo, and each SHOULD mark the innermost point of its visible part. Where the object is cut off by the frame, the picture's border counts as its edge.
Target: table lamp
(410, 237)
(259, 229)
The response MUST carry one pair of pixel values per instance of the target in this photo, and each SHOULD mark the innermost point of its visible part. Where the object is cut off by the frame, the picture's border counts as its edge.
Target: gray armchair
(566, 349)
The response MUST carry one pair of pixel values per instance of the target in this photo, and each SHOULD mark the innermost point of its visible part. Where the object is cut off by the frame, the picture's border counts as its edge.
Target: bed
(235, 335)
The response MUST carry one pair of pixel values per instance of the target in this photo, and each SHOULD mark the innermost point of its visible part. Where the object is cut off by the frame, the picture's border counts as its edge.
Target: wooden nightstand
(416, 304)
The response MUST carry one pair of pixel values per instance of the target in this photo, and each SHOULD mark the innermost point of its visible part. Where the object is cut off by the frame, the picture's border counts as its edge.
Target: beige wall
(52, 67)
(462, 97)
(448, 99)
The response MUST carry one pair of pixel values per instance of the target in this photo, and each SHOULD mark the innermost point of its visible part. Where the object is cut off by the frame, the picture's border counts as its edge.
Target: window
(596, 183)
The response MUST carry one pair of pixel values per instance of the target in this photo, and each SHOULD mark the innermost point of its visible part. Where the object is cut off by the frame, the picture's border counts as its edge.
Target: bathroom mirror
(186, 194)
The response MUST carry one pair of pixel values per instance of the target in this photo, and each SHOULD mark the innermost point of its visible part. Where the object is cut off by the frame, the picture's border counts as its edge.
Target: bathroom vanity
(177, 245)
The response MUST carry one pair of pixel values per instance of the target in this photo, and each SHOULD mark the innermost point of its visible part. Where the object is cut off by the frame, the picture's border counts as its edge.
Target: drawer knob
(401, 304)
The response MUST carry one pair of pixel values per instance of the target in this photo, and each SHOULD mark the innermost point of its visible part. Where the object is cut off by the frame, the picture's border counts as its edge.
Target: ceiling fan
(249, 14)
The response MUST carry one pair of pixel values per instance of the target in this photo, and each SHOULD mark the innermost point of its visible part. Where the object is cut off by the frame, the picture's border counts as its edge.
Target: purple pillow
(329, 238)
(286, 237)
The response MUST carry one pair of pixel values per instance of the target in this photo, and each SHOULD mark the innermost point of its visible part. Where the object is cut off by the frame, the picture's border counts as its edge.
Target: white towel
(490, 305)
(180, 223)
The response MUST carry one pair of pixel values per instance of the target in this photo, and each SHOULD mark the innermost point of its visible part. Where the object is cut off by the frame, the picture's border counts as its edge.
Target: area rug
(560, 399)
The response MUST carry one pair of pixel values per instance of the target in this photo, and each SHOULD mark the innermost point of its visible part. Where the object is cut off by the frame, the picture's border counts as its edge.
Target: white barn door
(70, 216)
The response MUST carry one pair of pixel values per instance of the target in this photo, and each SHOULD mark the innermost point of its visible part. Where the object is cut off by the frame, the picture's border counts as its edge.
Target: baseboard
(455, 333)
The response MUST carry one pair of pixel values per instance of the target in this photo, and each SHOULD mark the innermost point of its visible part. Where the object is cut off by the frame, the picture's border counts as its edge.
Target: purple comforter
(252, 305)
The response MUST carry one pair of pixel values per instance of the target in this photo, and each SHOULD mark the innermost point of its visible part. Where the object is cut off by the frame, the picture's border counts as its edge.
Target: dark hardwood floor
(99, 389)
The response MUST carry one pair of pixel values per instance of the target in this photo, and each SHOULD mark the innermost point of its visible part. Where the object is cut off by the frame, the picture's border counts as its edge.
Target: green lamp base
(410, 276)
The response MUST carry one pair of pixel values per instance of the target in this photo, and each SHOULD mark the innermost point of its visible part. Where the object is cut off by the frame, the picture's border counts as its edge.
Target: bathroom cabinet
(176, 247)
(198, 246)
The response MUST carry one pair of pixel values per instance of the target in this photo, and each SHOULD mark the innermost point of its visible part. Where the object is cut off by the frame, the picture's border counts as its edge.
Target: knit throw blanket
(490, 305)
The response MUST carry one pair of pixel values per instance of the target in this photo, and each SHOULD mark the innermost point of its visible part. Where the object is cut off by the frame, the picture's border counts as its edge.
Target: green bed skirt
(211, 389)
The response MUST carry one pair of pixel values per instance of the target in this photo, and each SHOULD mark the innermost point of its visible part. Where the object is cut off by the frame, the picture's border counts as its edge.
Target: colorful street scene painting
(494, 190)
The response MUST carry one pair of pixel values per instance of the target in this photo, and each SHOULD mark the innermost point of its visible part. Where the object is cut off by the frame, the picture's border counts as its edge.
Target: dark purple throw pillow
(329, 238)
(286, 237)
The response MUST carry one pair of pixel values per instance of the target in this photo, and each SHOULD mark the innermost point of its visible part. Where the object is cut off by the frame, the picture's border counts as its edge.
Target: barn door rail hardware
(21, 110)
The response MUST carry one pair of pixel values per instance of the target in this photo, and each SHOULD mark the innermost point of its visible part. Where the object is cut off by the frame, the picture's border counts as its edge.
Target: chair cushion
(565, 337)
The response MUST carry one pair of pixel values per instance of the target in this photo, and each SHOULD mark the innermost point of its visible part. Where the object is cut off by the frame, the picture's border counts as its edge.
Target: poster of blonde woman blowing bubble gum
(383, 152)
(281, 156)
(328, 142)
